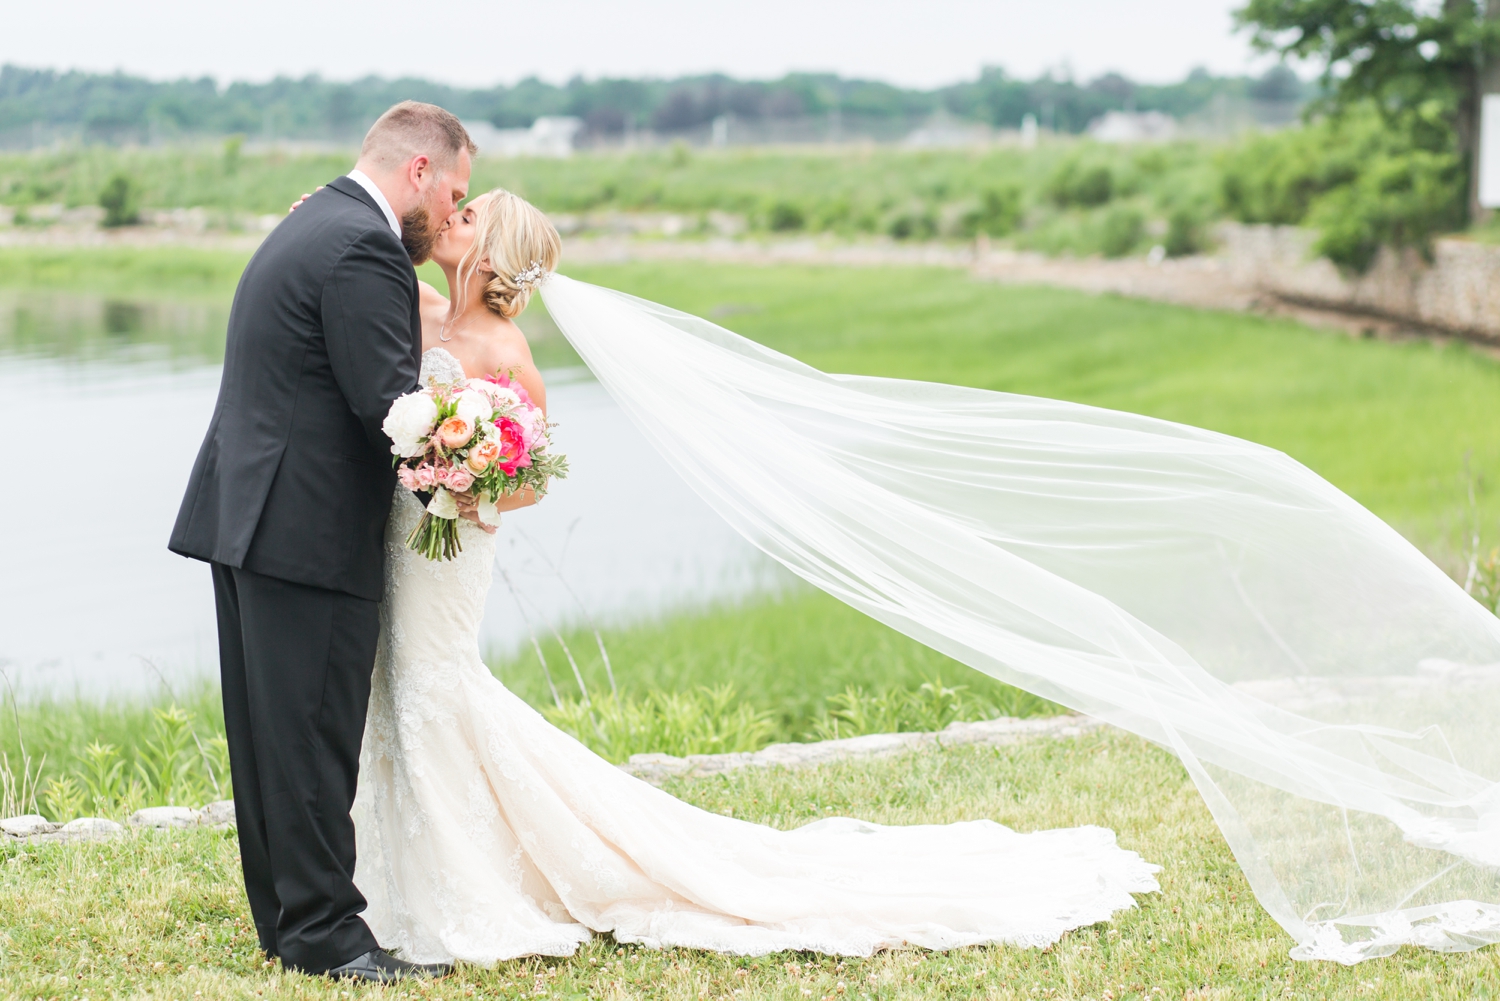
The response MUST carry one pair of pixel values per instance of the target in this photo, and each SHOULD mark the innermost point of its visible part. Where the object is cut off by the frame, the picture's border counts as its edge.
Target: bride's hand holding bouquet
(475, 441)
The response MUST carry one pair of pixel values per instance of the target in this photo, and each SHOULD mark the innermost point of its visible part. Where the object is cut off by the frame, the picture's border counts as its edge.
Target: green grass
(784, 656)
(163, 915)
(145, 272)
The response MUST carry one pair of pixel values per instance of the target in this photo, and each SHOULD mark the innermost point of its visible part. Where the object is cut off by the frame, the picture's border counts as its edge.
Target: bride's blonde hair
(519, 242)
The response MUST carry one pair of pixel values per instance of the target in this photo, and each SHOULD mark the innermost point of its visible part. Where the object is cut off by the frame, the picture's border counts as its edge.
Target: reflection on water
(91, 600)
(99, 328)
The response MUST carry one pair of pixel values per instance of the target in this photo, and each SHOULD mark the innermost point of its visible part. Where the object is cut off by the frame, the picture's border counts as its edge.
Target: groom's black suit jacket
(294, 479)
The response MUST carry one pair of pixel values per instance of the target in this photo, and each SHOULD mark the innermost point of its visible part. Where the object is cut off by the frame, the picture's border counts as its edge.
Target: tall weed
(701, 721)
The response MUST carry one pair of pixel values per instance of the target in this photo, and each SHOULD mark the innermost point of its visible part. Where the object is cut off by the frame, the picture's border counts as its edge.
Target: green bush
(918, 224)
(1399, 199)
(1363, 181)
(119, 199)
(785, 217)
(1123, 229)
(1184, 233)
(998, 213)
(1075, 184)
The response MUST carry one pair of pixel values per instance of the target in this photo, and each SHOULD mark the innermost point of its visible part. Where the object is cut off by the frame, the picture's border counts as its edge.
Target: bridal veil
(1333, 695)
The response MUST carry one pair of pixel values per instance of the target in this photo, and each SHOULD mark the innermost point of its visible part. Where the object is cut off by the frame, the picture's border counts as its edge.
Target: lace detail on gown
(439, 365)
(485, 833)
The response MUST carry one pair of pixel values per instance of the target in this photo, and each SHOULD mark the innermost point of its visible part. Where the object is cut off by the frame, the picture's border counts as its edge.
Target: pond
(92, 602)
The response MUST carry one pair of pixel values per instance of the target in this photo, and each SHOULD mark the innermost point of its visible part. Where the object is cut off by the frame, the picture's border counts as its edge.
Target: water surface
(103, 404)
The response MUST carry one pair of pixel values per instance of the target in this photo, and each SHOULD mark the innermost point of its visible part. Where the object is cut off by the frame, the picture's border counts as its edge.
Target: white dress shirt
(359, 177)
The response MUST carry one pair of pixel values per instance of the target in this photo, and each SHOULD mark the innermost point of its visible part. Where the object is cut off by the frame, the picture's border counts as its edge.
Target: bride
(484, 833)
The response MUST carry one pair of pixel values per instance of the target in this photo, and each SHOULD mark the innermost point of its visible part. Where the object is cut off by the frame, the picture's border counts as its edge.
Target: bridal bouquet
(479, 438)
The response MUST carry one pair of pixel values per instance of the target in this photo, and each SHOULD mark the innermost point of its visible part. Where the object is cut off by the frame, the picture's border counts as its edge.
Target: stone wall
(1457, 291)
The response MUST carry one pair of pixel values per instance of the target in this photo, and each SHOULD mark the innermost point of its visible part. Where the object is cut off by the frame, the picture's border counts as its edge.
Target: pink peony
(455, 432)
(533, 424)
(513, 453)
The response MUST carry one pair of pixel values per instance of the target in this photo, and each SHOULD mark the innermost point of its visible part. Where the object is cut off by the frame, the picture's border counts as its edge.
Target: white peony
(411, 419)
(501, 396)
(474, 407)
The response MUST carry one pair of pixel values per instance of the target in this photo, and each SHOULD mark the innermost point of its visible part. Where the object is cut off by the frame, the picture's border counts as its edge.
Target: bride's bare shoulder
(505, 350)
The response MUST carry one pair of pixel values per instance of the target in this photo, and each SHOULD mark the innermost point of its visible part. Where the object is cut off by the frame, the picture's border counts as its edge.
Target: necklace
(443, 334)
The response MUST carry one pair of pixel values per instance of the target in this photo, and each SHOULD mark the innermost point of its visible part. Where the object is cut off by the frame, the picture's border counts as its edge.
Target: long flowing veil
(1334, 696)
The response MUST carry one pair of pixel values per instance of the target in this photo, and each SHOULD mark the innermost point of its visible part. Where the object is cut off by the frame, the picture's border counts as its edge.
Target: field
(1066, 196)
(1392, 423)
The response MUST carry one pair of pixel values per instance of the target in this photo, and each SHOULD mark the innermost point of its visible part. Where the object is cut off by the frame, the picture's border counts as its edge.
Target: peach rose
(482, 456)
(455, 432)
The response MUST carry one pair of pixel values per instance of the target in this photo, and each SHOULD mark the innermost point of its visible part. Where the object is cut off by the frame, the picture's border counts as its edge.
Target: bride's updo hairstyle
(519, 242)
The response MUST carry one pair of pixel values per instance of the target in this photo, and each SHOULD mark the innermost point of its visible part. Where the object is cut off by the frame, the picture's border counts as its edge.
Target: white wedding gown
(485, 833)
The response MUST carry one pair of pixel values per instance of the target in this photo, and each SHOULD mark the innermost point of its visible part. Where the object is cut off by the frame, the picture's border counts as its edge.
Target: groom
(288, 502)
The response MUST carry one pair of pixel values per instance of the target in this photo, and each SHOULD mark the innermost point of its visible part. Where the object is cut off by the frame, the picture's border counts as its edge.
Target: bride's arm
(527, 375)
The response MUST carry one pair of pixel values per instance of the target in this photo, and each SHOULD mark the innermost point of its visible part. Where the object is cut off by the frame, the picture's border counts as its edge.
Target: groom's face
(438, 200)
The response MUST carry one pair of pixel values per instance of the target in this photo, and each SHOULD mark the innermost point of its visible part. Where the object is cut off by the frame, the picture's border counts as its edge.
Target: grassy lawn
(164, 915)
(1389, 423)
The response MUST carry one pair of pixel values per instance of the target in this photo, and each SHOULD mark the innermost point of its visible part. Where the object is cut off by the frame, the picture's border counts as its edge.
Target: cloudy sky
(482, 42)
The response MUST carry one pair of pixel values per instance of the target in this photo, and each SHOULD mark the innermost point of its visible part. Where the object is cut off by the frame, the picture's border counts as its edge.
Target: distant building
(1133, 127)
(548, 136)
(943, 131)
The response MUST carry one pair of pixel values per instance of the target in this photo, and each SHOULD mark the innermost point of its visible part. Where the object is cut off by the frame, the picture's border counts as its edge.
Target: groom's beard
(418, 234)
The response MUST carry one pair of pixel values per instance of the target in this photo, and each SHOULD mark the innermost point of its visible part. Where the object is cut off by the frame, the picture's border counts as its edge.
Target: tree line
(118, 107)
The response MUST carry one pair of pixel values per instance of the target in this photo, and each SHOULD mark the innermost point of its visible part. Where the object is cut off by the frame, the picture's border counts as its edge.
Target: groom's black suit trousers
(295, 663)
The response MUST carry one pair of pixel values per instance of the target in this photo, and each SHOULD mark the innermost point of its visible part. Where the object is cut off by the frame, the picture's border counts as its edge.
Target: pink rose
(426, 477)
(407, 477)
(455, 432)
(460, 479)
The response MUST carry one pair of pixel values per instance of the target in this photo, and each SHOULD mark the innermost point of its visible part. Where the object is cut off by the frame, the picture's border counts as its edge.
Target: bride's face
(457, 235)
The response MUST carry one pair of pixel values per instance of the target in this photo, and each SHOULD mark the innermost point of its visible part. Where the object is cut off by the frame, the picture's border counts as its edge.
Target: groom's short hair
(412, 128)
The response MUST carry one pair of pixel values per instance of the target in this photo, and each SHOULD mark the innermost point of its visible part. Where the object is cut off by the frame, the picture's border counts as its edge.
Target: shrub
(785, 217)
(1075, 184)
(1123, 229)
(1364, 180)
(914, 225)
(1184, 233)
(998, 214)
(1401, 199)
(118, 199)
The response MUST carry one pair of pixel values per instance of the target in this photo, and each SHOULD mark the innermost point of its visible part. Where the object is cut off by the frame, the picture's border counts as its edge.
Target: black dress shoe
(382, 968)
